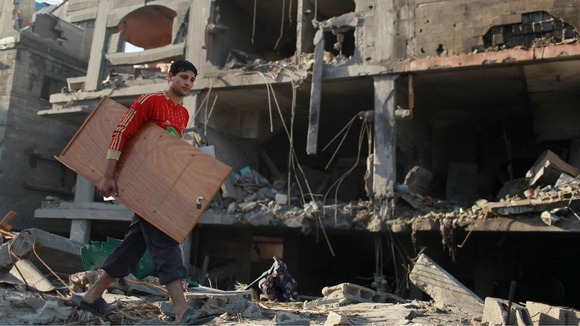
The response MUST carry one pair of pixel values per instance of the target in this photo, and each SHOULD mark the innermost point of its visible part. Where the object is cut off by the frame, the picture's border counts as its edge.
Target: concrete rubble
(144, 302)
(478, 97)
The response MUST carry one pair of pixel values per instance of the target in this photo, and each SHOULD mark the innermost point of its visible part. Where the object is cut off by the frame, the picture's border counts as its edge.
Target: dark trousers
(142, 235)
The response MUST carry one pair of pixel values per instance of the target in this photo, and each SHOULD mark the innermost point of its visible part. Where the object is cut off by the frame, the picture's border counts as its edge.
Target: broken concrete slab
(548, 168)
(521, 206)
(41, 247)
(28, 274)
(349, 293)
(432, 279)
(219, 301)
(495, 312)
(567, 180)
(419, 179)
(335, 319)
(544, 314)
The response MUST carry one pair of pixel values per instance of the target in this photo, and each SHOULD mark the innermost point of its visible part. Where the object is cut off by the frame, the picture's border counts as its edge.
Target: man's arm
(107, 185)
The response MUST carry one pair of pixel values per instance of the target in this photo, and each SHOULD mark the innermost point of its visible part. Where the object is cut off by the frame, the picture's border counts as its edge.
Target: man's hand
(108, 187)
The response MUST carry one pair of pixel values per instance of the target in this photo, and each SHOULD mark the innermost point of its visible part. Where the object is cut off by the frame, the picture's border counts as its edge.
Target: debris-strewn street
(22, 306)
(29, 296)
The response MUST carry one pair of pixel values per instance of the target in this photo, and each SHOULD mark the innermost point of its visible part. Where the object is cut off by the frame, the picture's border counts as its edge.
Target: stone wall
(456, 26)
(28, 143)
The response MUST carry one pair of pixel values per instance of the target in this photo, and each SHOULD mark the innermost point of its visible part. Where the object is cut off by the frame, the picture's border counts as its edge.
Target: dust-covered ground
(19, 306)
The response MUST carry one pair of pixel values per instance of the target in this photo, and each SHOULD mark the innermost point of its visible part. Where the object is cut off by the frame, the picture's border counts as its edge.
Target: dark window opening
(244, 32)
(51, 86)
(342, 44)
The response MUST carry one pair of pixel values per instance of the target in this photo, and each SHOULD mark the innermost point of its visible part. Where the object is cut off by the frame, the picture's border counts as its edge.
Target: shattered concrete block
(64, 313)
(548, 168)
(543, 314)
(567, 180)
(348, 293)
(233, 304)
(25, 271)
(21, 300)
(253, 311)
(495, 312)
(442, 286)
(232, 207)
(44, 315)
(281, 199)
(419, 180)
(287, 318)
(335, 319)
(322, 302)
(248, 206)
(60, 253)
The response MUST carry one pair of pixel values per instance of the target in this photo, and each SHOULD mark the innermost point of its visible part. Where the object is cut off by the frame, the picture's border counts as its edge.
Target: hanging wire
(336, 185)
(347, 128)
(254, 20)
(281, 24)
(293, 164)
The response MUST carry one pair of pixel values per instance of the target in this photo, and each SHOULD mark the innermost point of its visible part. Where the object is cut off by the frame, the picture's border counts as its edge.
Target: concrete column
(304, 29)
(96, 66)
(315, 95)
(8, 25)
(80, 230)
(196, 50)
(384, 168)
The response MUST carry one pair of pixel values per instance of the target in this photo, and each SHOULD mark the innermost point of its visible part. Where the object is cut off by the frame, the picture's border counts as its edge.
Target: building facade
(359, 131)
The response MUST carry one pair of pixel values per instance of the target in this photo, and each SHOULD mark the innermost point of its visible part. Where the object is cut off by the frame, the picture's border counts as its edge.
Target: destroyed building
(39, 50)
(360, 133)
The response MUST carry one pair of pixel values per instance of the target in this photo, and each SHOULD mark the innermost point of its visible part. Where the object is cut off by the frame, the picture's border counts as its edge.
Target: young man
(164, 109)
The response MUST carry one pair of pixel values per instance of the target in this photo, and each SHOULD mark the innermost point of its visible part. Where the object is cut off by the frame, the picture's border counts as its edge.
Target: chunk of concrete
(335, 319)
(419, 180)
(44, 315)
(544, 314)
(443, 287)
(61, 254)
(548, 168)
(26, 272)
(495, 312)
(348, 293)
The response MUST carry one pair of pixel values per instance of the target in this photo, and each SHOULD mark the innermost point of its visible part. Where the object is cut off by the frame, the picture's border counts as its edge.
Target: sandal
(191, 317)
(98, 308)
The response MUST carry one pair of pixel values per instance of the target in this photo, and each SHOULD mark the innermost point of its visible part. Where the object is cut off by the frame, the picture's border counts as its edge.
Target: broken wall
(456, 27)
(32, 69)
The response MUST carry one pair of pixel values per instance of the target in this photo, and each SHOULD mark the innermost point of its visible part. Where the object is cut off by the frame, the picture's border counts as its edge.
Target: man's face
(182, 82)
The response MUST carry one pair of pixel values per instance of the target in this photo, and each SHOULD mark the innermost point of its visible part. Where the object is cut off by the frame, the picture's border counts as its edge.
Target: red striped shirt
(155, 107)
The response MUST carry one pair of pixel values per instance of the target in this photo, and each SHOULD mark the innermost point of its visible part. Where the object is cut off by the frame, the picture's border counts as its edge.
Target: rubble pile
(550, 189)
(37, 287)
